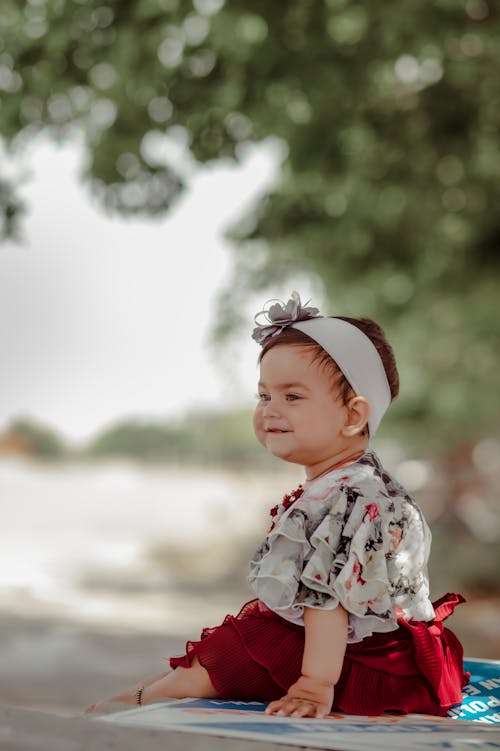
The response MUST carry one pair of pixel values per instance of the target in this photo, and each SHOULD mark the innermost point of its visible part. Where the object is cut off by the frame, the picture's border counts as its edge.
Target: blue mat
(482, 694)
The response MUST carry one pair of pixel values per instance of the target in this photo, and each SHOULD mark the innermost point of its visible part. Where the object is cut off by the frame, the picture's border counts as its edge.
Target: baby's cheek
(258, 425)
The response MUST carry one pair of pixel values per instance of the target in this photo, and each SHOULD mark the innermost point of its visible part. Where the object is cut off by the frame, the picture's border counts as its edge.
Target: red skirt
(257, 656)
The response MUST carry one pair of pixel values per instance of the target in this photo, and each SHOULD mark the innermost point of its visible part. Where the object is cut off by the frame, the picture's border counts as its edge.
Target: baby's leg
(177, 684)
(181, 683)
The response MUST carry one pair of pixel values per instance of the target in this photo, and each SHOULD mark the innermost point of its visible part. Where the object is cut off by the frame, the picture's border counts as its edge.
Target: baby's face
(298, 417)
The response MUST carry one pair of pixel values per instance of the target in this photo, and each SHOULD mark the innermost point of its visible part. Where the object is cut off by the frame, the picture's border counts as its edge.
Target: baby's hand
(308, 697)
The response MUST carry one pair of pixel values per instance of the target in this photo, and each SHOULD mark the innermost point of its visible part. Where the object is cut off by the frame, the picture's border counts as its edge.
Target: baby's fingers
(275, 706)
(305, 709)
(322, 711)
(292, 707)
(289, 706)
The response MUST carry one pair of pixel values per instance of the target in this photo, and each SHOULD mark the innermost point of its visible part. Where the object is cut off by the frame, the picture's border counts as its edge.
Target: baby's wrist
(319, 680)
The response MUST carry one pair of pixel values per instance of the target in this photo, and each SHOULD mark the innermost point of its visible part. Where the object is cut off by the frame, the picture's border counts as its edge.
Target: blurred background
(166, 166)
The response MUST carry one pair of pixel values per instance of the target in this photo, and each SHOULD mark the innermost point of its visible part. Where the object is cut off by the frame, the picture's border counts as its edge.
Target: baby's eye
(263, 397)
(292, 397)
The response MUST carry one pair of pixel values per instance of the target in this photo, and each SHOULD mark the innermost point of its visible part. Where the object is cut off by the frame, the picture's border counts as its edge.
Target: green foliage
(37, 440)
(141, 441)
(213, 439)
(389, 190)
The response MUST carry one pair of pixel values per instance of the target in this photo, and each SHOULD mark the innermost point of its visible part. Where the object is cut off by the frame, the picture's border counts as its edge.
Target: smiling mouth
(275, 430)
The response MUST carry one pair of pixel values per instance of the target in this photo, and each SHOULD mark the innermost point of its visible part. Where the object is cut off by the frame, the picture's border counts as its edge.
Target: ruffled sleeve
(363, 550)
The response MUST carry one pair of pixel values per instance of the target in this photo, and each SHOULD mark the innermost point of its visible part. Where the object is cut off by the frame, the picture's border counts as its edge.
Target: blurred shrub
(25, 436)
(207, 438)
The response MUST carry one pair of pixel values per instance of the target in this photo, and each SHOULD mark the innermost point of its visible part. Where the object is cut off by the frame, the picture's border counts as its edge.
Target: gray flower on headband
(280, 315)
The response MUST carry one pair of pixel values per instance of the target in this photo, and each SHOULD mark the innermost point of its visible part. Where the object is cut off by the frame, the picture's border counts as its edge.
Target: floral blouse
(354, 537)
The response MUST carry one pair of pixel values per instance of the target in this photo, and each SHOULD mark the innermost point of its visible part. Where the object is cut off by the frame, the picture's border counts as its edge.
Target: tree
(201, 438)
(35, 439)
(389, 189)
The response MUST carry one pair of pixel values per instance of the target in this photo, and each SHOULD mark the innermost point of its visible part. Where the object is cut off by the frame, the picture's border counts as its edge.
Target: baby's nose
(270, 409)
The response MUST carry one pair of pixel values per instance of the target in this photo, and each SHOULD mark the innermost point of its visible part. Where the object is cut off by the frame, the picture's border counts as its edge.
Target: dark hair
(371, 329)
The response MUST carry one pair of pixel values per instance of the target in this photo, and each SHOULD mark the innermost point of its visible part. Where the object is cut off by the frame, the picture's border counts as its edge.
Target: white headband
(353, 351)
(358, 359)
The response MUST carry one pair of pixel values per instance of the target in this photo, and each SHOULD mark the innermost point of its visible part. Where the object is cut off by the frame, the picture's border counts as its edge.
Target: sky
(102, 317)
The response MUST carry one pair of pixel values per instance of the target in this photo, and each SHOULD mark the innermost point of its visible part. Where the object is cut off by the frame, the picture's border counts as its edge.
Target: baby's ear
(358, 414)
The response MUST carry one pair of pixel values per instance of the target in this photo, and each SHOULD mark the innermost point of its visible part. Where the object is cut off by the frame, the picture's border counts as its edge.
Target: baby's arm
(324, 650)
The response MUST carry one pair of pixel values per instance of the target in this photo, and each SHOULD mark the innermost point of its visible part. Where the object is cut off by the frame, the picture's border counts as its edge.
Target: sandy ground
(62, 666)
